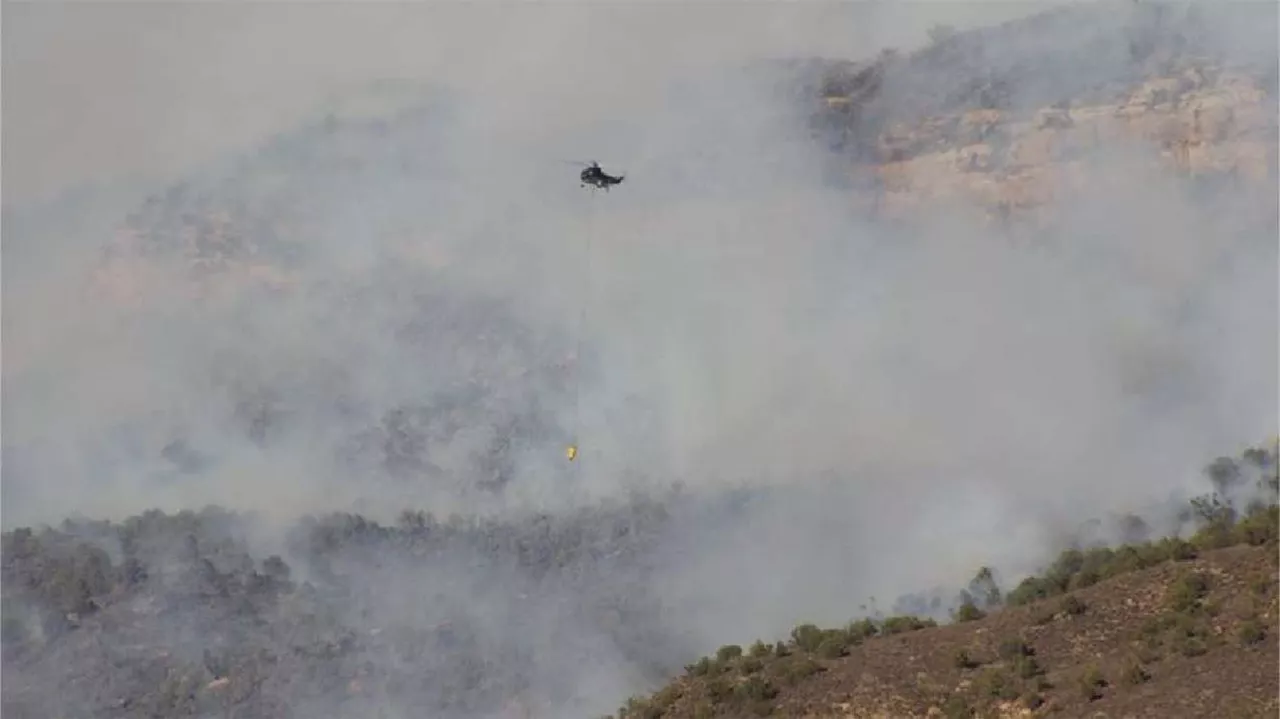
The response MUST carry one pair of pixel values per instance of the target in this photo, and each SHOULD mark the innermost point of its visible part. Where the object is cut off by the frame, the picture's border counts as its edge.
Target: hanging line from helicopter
(584, 299)
(594, 176)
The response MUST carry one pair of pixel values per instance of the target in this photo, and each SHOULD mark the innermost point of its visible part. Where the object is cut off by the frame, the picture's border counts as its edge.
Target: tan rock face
(1202, 121)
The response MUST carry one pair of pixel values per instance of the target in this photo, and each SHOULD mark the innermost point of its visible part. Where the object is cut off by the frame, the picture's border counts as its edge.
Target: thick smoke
(403, 300)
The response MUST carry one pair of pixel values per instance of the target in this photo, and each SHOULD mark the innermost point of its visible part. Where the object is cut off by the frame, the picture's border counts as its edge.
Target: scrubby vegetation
(361, 615)
(1012, 669)
(275, 637)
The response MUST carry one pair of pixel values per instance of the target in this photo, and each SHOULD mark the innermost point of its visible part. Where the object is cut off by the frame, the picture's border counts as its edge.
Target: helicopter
(597, 177)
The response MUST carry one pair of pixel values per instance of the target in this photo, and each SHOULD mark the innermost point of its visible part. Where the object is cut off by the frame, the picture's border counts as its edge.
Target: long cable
(585, 301)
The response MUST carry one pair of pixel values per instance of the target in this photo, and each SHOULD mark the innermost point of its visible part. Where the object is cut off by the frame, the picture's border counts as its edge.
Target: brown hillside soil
(1191, 638)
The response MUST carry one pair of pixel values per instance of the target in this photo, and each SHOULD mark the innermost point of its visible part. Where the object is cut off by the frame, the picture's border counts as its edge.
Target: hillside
(1131, 646)
(340, 367)
(173, 615)
(1007, 123)
(1169, 629)
(1010, 118)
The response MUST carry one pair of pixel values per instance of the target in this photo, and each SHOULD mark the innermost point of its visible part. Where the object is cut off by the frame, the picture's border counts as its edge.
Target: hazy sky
(101, 90)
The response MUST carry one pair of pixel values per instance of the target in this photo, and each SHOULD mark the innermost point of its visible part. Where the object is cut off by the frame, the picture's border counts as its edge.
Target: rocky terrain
(970, 122)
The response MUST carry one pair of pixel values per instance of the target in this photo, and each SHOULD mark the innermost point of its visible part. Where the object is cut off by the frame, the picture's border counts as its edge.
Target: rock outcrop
(968, 120)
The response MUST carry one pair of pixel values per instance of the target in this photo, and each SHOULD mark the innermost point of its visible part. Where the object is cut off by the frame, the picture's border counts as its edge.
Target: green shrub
(700, 668)
(963, 660)
(998, 684)
(1262, 586)
(1260, 526)
(1027, 667)
(1092, 683)
(969, 612)
(1073, 605)
(1187, 594)
(1191, 646)
(861, 630)
(807, 637)
(1029, 590)
(1015, 647)
(755, 689)
(1251, 632)
(1134, 673)
(639, 708)
(898, 625)
(956, 707)
(667, 697)
(728, 652)
(832, 648)
(796, 669)
(718, 691)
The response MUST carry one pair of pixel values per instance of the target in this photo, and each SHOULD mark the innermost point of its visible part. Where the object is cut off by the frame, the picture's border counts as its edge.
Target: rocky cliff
(1007, 118)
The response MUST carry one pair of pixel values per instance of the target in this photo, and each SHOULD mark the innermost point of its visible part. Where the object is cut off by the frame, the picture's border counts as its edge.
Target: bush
(639, 708)
(797, 669)
(1073, 605)
(755, 689)
(969, 612)
(964, 661)
(1029, 590)
(1260, 526)
(1192, 647)
(700, 668)
(1188, 592)
(998, 684)
(861, 630)
(718, 691)
(1251, 632)
(1092, 683)
(1014, 648)
(955, 707)
(1042, 616)
(832, 648)
(807, 637)
(1027, 667)
(728, 652)
(759, 649)
(1262, 586)
(898, 625)
(1134, 673)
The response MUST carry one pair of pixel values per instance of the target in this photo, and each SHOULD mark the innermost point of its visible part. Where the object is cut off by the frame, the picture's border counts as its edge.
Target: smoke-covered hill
(177, 614)
(365, 341)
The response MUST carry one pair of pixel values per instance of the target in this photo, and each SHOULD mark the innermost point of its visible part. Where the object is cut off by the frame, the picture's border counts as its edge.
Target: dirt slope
(1190, 638)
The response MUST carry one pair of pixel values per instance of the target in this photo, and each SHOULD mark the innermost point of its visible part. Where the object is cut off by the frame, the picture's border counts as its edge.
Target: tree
(984, 589)
(1225, 474)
